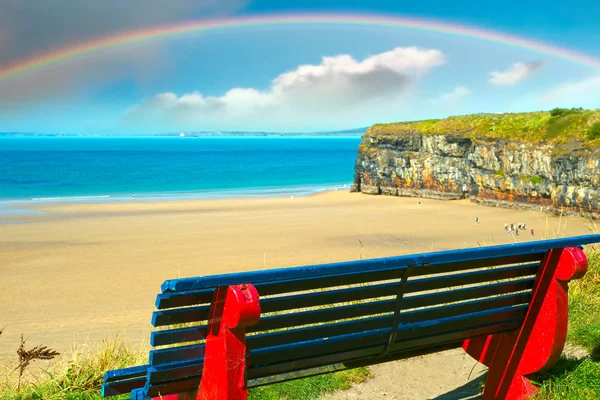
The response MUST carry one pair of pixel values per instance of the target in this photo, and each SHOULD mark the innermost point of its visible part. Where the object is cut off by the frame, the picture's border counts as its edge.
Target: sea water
(51, 169)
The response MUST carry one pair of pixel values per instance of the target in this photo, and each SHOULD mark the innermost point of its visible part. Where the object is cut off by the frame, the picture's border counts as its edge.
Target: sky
(282, 77)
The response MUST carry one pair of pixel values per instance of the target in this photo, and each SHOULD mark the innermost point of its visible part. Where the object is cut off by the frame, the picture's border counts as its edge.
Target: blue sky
(290, 78)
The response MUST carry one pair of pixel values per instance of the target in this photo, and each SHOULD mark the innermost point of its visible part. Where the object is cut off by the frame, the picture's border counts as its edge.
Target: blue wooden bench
(505, 305)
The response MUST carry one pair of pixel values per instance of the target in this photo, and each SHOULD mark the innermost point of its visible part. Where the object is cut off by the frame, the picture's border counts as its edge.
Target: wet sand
(81, 272)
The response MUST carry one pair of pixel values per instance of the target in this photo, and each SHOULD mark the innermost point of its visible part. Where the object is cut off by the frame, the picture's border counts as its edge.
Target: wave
(70, 198)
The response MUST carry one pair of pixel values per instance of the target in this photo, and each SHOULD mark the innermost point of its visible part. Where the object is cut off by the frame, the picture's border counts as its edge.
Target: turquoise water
(94, 168)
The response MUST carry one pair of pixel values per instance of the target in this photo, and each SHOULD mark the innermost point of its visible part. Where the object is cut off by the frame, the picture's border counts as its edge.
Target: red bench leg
(224, 372)
(538, 343)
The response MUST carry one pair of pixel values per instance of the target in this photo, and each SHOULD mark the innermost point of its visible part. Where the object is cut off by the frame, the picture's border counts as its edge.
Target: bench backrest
(318, 318)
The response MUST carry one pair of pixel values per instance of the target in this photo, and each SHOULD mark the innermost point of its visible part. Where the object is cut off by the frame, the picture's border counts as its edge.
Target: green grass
(570, 378)
(79, 376)
(563, 127)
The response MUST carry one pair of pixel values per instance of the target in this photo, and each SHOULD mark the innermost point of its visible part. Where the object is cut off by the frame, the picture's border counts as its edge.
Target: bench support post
(538, 343)
(224, 372)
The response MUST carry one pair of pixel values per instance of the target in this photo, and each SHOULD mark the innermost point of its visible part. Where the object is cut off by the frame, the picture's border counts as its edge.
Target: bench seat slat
(182, 299)
(271, 288)
(125, 373)
(164, 389)
(196, 314)
(276, 304)
(122, 387)
(411, 317)
(323, 346)
(194, 297)
(409, 348)
(176, 354)
(175, 371)
(371, 308)
(180, 335)
(180, 315)
(468, 278)
(375, 351)
(410, 320)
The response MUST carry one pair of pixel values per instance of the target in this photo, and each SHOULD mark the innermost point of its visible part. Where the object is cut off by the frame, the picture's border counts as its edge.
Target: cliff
(529, 160)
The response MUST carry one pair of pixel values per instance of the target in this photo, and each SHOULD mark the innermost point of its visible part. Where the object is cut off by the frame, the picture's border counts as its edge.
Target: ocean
(54, 169)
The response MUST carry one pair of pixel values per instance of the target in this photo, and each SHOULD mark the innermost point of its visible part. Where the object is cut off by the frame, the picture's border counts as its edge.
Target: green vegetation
(570, 378)
(534, 180)
(79, 376)
(594, 131)
(500, 173)
(555, 112)
(557, 126)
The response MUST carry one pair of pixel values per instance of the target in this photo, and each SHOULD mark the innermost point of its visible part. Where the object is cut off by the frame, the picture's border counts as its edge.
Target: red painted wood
(224, 372)
(537, 345)
(223, 376)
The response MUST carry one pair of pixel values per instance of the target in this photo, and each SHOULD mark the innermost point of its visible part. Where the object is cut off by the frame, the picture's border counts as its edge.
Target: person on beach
(532, 234)
(476, 220)
(505, 226)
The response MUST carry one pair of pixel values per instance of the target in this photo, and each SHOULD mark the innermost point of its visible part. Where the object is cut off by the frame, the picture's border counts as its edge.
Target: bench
(504, 305)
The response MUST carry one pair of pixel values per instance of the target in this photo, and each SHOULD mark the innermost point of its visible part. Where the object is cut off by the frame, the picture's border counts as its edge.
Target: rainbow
(124, 39)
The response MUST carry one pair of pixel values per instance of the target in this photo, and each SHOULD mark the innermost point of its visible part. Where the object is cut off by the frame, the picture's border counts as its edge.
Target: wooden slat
(173, 387)
(181, 299)
(176, 354)
(122, 387)
(383, 306)
(361, 325)
(195, 314)
(125, 373)
(373, 351)
(180, 335)
(295, 301)
(328, 345)
(353, 357)
(175, 371)
(469, 278)
(180, 315)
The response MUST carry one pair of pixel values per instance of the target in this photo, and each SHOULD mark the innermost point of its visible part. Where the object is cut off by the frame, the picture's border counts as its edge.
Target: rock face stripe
(490, 172)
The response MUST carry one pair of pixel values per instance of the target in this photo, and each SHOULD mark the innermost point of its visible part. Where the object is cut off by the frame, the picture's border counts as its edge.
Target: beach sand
(81, 272)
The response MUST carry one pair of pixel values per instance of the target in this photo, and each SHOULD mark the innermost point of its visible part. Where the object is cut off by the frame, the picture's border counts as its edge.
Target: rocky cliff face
(493, 172)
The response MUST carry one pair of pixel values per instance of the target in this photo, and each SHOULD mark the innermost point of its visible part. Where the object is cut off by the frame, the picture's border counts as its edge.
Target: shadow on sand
(469, 391)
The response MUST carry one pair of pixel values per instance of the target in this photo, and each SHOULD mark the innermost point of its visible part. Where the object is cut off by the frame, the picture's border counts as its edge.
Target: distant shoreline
(21, 206)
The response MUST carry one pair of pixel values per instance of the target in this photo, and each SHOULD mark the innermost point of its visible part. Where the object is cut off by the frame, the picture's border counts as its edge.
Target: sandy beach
(81, 272)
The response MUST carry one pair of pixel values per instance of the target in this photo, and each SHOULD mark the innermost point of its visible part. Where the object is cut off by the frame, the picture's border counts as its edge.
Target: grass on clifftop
(556, 126)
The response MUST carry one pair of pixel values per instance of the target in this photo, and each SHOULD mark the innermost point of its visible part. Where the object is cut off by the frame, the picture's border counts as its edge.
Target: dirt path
(449, 375)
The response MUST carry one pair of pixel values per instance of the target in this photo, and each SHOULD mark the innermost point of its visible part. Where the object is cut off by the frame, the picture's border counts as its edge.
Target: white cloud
(330, 93)
(453, 97)
(515, 74)
(583, 93)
